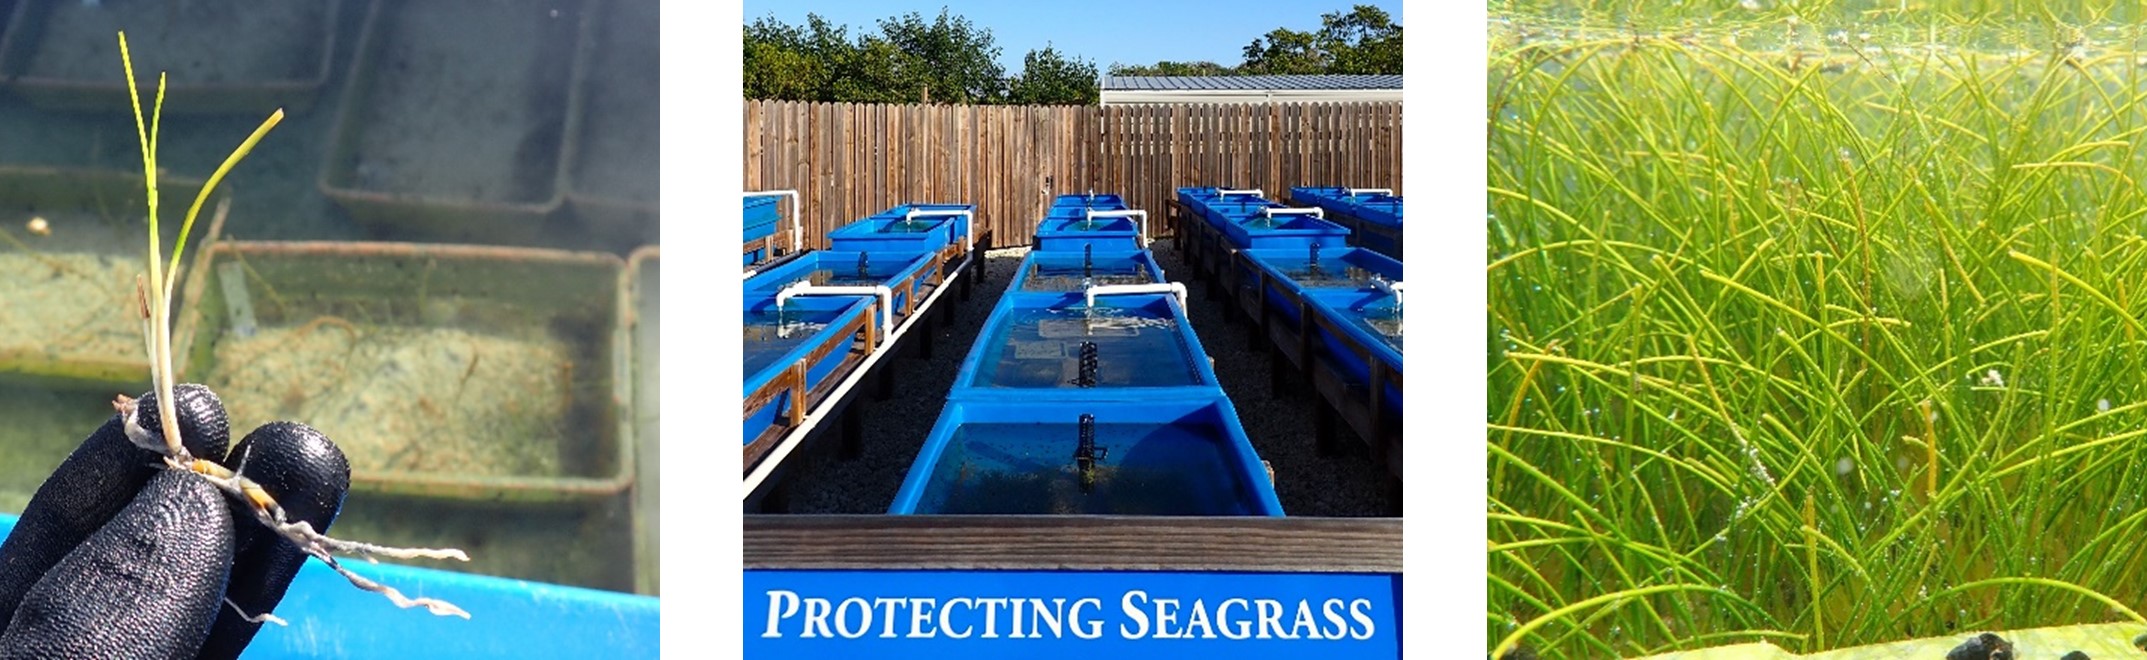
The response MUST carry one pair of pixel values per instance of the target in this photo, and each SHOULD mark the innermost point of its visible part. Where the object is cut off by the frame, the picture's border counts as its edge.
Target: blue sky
(1104, 31)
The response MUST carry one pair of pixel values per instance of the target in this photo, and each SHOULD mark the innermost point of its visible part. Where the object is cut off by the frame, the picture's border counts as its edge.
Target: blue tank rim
(912, 260)
(1379, 262)
(848, 308)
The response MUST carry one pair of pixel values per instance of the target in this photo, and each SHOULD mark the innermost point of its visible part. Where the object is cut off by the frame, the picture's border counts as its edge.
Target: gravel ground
(1280, 426)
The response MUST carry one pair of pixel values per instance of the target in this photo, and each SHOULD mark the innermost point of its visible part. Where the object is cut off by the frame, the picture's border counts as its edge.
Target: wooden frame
(1358, 228)
(793, 381)
(1363, 415)
(763, 243)
(1103, 543)
(951, 261)
(1293, 343)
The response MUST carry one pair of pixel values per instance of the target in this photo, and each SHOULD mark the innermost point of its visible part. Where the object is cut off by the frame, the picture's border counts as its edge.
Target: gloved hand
(119, 556)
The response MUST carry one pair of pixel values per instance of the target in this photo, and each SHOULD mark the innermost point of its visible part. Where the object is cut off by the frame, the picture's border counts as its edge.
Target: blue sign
(1090, 615)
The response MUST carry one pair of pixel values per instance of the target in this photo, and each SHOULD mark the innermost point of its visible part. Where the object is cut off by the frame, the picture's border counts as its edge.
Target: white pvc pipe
(1143, 215)
(797, 226)
(805, 288)
(1353, 192)
(1226, 192)
(1314, 212)
(1155, 287)
(1392, 288)
(969, 233)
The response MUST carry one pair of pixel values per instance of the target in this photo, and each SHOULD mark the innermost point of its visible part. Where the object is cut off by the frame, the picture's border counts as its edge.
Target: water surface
(1148, 469)
(1041, 348)
(768, 336)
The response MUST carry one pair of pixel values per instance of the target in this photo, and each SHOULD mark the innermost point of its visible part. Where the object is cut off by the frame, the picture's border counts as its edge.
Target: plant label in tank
(1089, 615)
(1038, 350)
(236, 299)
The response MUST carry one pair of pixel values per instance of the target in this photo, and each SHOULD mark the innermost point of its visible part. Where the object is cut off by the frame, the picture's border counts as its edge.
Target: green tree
(878, 72)
(1362, 40)
(1049, 78)
(778, 64)
(1286, 51)
(949, 56)
(906, 60)
(814, 62)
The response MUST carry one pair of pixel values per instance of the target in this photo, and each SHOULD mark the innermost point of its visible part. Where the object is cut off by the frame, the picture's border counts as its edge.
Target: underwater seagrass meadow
(1822, 324)
(437, 258)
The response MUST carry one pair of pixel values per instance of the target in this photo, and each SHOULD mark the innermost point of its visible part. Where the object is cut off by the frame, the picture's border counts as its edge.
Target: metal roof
(1250, 83)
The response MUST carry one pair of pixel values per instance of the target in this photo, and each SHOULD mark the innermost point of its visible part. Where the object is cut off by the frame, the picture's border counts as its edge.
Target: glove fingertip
(203, 426)
(308, 475)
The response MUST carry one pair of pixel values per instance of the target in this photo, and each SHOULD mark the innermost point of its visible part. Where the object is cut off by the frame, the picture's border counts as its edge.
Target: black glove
(119, 556)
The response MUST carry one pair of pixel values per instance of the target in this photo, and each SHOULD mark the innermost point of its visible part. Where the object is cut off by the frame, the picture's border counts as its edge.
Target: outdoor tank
(1199, 197)
(1071, 232)
(1357, 325)
(1165, 457)
(1103, 201)
(760, 221)
(790, 350)
(908, 227)
(904, 273)
(1254, 231)
(1276, 277)
(1374, 216)
(1209, 202)
(1057, 272)
(1127, 345)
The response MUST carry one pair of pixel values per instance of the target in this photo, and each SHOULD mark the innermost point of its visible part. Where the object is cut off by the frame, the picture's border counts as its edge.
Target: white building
(1128, 90)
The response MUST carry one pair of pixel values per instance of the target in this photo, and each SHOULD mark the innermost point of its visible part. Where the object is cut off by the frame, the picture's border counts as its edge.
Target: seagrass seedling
(153, 293)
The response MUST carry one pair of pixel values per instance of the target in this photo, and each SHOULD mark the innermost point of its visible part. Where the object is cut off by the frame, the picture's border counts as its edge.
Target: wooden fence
(848, 160)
